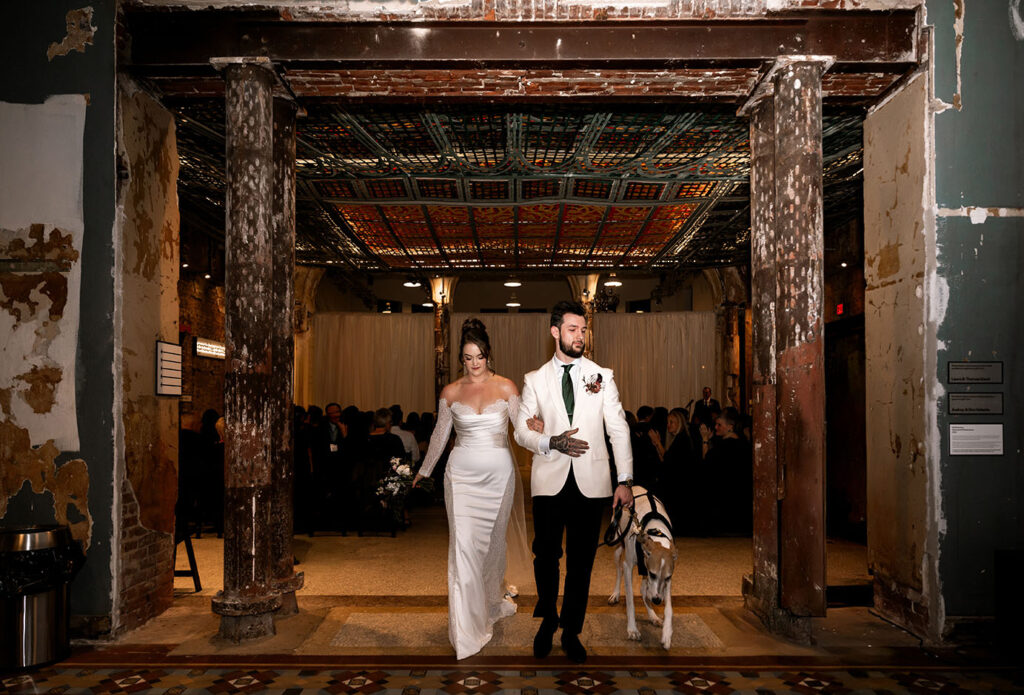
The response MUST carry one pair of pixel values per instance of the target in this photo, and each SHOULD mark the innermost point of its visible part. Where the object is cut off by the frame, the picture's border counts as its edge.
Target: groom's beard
(569, 350)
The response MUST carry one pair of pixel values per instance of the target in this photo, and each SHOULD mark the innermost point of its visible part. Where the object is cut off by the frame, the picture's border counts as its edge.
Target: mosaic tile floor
(272, 680)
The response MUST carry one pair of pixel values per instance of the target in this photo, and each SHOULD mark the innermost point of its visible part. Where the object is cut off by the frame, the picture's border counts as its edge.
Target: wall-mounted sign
(975, 403)
(976, 440)
(168, 369)
(974, 372)
(209, 348)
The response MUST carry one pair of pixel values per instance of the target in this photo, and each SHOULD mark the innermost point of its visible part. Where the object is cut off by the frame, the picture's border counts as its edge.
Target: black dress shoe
(573, 648)
(542, 641)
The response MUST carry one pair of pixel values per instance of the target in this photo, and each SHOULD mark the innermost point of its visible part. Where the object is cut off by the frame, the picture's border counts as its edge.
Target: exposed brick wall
(146, 569)
(202, 308)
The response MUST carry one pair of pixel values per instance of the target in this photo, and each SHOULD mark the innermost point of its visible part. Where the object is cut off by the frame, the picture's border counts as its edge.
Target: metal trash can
(36, 565)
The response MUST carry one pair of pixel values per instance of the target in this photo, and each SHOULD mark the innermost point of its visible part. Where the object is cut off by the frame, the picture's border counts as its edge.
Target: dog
(648, 527)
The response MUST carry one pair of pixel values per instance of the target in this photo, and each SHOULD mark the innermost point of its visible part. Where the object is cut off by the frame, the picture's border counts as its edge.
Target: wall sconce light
(387, 308)
(843, 264)
(512, 301)
(612, 281)
(411, 282)
(513, 282)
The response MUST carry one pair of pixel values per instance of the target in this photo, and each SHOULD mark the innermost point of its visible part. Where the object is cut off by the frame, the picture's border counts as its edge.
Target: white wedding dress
(479, 485)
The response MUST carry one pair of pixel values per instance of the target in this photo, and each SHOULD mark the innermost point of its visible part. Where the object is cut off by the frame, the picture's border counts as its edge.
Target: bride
(480, 490)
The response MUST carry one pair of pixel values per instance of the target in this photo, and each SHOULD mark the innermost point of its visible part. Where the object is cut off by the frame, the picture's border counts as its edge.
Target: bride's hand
(535, 424)
(417, 479)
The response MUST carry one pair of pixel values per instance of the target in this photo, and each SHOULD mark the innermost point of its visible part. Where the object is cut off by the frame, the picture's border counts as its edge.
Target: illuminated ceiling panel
(478, 187)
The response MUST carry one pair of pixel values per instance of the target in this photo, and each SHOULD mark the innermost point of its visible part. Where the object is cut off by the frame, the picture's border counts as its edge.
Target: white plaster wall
(41, 184)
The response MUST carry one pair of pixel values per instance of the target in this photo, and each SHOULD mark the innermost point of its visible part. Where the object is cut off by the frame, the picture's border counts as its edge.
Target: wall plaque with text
(975, 403)
(976, 440)
(168, 369)
(974, 372)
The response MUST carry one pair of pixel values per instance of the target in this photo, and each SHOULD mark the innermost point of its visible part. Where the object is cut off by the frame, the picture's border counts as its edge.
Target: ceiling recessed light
(206, 275)
(184, 265)
(843, 264)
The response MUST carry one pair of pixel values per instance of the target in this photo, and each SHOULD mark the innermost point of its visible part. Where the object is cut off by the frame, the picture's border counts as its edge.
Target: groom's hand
(623, 496)
(565, 443)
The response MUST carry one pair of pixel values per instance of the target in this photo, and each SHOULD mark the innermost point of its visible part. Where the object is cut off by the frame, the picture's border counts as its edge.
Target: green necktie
(567, 394)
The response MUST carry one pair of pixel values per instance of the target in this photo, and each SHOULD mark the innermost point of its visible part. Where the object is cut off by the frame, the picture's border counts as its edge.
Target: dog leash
(612, 536)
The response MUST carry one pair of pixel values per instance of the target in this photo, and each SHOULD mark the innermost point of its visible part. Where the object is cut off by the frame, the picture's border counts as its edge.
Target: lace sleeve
(439, 439)
(513, 408)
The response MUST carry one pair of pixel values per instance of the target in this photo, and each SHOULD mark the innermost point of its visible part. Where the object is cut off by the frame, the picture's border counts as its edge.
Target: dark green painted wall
(28, 77)
(979, 152)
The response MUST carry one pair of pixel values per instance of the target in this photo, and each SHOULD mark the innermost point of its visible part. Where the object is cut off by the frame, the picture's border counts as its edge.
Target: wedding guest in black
(707, 406)
(423, 440)
(679, 475)
(187, 510)
(329, 468)
(303, 487)
(727, 461)
(212, 495)
(645, 456)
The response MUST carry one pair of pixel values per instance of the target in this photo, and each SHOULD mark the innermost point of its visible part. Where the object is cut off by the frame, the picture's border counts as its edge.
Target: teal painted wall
(28, 77)
(979, 151)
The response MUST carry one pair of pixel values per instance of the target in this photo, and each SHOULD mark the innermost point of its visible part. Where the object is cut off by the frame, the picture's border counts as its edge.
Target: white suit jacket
(593, 414)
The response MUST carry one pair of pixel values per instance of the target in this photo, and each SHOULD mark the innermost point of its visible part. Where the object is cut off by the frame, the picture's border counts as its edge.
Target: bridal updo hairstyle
(474, 331)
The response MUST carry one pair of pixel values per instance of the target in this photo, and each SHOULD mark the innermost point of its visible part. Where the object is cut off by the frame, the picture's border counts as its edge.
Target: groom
(571, 478)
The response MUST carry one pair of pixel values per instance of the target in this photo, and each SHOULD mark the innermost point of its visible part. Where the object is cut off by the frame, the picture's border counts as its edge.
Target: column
(282, 324)
(762, 595)
(799, 335)
(248, 601)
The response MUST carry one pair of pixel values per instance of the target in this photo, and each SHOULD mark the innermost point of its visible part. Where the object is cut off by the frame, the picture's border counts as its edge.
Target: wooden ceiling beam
(192, 37)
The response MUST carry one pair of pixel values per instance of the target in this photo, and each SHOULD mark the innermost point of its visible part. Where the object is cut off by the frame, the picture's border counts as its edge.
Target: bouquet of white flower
(394, 487)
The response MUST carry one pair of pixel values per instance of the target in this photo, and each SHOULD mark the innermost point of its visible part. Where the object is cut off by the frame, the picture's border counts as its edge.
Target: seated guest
(412, 449)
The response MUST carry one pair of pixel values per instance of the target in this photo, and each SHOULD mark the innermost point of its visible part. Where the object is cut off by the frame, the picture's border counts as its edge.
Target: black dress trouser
(579, 517)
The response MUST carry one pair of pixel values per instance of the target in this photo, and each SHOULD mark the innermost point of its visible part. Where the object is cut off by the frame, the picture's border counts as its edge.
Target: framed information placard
(974, 372)
(976, 440)
(975, 403)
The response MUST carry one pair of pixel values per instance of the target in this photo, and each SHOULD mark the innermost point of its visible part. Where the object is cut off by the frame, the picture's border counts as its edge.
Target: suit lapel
(554, 382)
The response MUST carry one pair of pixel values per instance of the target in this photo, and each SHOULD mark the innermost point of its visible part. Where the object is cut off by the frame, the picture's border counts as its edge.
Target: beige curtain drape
(373, 360)
(659, 359)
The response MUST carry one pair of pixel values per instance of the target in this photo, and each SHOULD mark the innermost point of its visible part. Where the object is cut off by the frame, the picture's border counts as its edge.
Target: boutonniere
(593, 383)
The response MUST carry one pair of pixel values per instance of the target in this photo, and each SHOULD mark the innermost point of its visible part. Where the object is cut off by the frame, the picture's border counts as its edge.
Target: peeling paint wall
(979, 235)
(56, 339)
(895, 167)
(148, 271)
